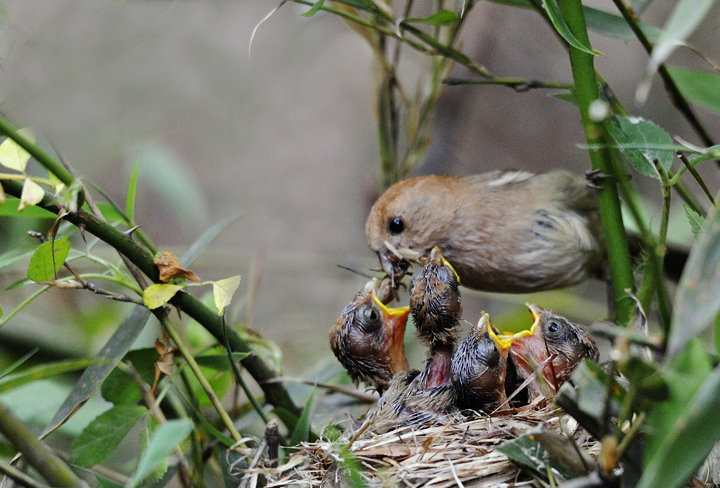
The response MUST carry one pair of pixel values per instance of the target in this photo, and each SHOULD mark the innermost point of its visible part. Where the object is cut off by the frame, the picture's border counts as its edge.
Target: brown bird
(555, 346)
(479, 367)
(367, 339)
(436, 307)
(503, 231)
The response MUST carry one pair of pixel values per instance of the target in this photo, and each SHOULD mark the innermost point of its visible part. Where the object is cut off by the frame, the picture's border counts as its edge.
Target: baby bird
(367, 339)
(436, 307)
(555, 346)
(479, 367)
(504, 231)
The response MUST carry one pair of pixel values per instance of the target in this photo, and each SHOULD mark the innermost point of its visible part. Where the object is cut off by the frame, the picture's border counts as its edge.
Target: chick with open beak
(479, 367)
(553, 347)
(436, 307)
(367, 339)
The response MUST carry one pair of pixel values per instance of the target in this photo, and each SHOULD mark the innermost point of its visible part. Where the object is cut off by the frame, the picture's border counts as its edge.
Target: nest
(460, 453)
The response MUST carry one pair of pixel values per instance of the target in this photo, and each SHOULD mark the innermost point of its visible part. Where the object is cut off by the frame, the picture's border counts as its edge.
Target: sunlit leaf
(162, 442)
(47, 259)
(700, 87)
(159, 294)
(642, 142)
(223, 291)
(12, 155)
(696, 300)
(32, 194)
(553, 10)
(101, 436)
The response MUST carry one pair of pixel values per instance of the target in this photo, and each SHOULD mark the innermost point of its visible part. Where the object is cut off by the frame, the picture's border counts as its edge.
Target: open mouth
(394, 321)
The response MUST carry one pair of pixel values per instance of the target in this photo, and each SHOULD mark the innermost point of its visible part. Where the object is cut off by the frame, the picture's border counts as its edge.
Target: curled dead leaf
(169, 268)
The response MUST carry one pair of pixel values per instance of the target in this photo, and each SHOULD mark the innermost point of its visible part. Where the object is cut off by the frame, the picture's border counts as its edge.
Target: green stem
(204, 383)
(586, 92)
(41, 156)
(37, 453)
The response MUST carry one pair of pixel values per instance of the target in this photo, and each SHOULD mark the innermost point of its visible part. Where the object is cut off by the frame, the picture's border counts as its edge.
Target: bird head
(479, 367)
(407, 221)
(435, 301)
(367, 339)
(553, 343)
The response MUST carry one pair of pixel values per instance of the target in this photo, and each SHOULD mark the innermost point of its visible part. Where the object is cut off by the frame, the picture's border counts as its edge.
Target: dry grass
(457, 454)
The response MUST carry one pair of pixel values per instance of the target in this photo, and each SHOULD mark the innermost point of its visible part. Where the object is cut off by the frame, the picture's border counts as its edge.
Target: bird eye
(553, 327)
(371, 318)
(396, 225)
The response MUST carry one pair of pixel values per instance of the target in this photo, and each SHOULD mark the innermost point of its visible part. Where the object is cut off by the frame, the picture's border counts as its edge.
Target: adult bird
(367, 339)
(503, 231)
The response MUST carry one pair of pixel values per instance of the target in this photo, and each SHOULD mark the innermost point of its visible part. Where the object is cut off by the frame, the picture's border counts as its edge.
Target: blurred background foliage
(276, 123)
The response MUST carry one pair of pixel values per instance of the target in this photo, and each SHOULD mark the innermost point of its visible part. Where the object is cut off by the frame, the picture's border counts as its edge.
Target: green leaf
(696, 300)
(111, 212)
(641, 142)
(219, 362)
(100, 438)
(18, 362)
(10, 209)
(223, 291)
(47, 259)
(314, 9)
(91, 379)
(615, 27)
(681, 435)
(159, 294)
(553, 10)
(694, 219)
(131, 193)
(119, 388)
(441, 17)
(529, 452)
(700, 87)
(43, 371)
(104, 482)
(162, 442)
(301, 432)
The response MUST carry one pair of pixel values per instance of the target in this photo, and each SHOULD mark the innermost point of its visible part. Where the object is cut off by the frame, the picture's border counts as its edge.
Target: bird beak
(394, 321)
(503, 342)
(438, 259)
(535, 311)
(394, 265)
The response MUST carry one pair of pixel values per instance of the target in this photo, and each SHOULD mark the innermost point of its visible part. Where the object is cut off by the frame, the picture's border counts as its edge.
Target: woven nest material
(461, 453)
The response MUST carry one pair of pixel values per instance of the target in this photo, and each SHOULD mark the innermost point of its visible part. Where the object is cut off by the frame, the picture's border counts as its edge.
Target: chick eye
(396, 225)
(371, 318)
(553, 327)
